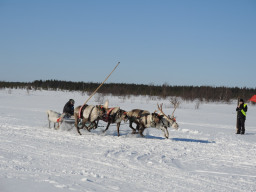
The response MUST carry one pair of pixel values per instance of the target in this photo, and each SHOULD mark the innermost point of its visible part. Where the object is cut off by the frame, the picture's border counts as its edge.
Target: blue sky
(179, 42)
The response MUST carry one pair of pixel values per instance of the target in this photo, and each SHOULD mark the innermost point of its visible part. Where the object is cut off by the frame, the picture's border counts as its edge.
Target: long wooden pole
(237, 116)
(101, 84)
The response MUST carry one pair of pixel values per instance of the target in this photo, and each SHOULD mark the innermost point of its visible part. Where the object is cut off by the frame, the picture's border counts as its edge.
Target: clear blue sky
(179, 42)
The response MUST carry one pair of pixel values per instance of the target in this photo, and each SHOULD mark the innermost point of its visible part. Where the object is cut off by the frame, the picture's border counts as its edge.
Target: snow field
(203, 155)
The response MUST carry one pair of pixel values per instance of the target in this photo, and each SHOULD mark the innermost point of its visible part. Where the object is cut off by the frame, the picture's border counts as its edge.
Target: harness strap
(81, 110)
(89, 118)
(108, 117)
(109, 111)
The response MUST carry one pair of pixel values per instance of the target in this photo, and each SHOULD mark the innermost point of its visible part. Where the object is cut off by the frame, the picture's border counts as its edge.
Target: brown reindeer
(88, 114)
(115, 115)
(134, 117)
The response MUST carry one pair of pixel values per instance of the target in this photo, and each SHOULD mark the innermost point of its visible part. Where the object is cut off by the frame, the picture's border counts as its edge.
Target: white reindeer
(166, 121)
(88, 114)
(53, 117)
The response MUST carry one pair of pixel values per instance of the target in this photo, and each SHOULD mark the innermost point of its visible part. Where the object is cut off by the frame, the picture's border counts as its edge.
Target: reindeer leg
(137, 126)
(141, 132)
(166, 133)
(78, 130)
(141, 129)
(49, 124)
(96, 124)
(106, 127)
(93, 125)
(130, 125)
(83, 125)
(76, 123)
(118, 126)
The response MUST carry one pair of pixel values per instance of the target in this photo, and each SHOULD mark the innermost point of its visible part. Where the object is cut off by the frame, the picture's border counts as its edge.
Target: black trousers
(241, 128)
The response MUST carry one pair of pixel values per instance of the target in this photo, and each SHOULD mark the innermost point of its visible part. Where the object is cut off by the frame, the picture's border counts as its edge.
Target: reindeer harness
(108, 117)
(81, 111)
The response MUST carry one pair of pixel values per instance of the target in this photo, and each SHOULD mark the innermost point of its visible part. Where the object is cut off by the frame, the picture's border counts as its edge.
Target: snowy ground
(203, 155)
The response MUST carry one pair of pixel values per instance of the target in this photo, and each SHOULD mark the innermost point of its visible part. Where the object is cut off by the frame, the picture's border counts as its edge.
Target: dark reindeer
(115, 115)
(143, 119)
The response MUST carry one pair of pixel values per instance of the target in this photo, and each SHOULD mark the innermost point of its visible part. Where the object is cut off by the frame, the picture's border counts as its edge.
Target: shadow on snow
(192, 140)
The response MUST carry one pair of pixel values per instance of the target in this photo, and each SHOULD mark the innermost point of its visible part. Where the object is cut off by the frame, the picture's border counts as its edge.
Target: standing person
(241, 115)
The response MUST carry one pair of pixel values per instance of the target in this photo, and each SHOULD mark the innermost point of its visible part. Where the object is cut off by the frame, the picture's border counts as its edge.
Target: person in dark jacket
(68, 109)
(241, 115)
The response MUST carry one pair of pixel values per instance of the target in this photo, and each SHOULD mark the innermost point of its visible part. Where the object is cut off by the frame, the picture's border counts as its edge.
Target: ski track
(200, 156)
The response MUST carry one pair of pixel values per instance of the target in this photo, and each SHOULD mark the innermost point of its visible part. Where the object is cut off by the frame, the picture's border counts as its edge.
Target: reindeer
(88, 113)
(143, 119)
(167, 121)
(134, 117)
(53, 117)
(115, 115)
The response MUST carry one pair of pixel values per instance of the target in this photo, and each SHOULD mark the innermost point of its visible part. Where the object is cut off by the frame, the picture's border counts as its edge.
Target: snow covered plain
(205, 154)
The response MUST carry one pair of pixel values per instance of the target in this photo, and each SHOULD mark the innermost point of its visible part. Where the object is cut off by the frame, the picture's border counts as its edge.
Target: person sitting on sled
(68, 109)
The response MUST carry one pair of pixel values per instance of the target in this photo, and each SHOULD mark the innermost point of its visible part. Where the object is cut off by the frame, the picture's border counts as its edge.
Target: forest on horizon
(202, 93)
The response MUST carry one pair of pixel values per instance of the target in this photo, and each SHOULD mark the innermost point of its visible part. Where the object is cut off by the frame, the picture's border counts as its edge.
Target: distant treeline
(203, 93)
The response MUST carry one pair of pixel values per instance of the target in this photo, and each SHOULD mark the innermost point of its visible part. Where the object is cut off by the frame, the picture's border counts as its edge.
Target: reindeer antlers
(175, 103)
(160, 108)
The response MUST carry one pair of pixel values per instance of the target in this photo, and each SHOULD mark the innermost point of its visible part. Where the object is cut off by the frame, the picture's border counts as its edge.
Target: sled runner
(70, 120)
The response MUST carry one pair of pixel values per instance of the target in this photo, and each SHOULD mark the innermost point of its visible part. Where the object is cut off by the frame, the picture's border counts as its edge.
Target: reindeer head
(171, 119)
(122, 115)
(173, 122)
